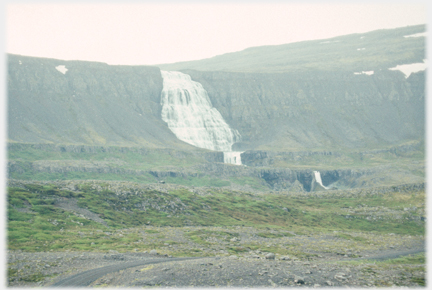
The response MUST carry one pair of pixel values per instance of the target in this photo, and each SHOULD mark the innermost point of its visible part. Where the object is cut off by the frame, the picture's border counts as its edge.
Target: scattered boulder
(270, 256)
(299, 280)
(272, 283)
(340, 277)
(153, 252)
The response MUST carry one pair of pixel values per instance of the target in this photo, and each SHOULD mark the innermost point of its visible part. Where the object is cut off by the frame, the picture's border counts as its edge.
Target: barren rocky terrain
(325, 260)
(378, 239)
(251, 269)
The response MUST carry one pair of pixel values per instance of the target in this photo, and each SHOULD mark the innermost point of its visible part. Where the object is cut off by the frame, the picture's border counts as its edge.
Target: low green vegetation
(202, 236)
(32, 174)
(411, 260)
(411, 264)
(37, 223)
(119, 157)
(184, 168)
(252, 182)
(350, 237)
(115, 164)
(36, 277)
(197, 181)
(274, 235)
(395, 156)
(405, 260)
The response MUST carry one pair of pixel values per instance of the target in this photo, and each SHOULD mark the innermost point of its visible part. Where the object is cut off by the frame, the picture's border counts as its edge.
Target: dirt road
(243, 272)
(89, 276)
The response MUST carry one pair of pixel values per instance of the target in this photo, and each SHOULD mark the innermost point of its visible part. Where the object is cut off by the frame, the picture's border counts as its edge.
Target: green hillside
(381, 49)
(40, 218)
(99, 121)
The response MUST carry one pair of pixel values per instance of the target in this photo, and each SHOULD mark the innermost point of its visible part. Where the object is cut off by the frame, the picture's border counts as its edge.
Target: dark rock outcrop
(318, 109)
(98, 104)
(92, 103)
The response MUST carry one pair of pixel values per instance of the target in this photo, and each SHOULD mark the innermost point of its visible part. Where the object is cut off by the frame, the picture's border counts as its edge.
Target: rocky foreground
(253, 268)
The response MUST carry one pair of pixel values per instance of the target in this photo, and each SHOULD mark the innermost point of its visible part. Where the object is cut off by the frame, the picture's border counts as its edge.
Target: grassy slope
(383, 49)
(401, 167)
(36, 224)
(340, 159)
(152, 160)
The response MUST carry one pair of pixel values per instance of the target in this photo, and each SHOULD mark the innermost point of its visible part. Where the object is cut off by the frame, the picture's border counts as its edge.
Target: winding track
(87, 277)
(392, 255)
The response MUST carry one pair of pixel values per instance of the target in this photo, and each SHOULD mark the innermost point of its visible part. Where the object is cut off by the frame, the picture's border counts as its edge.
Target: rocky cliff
(76, 102)
(87, 119)
(52, 162)
(318, 109)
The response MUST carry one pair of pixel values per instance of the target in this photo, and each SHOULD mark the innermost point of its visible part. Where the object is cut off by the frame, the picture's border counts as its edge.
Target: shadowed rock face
(97, 104)
(318, 109)
(91, 103)
(329, 177)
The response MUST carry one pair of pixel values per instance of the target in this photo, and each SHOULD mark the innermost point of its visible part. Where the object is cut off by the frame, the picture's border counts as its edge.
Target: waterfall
(318, 179)
(232, 157)
(188, 111)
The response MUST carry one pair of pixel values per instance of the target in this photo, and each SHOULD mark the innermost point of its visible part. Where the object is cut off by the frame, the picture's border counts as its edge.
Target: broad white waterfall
(318, 179)
(188, 111)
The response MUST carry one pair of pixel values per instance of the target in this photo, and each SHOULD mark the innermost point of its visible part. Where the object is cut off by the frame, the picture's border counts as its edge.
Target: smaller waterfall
(317, 175)
(232, 157)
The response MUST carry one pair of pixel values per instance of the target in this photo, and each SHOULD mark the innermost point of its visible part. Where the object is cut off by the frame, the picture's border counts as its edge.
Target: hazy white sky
(151, 33)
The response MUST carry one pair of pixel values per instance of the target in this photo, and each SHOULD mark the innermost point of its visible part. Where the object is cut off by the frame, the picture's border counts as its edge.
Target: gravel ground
(253, 269)
(250, 272)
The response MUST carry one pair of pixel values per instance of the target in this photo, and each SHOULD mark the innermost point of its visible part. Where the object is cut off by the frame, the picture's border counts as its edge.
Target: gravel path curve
(89, 276)
(391, 255)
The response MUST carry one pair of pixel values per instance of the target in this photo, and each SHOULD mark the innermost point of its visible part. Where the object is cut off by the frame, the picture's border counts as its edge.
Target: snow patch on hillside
(420, 34)
(408, 69)
(371, 72)
(329, 41)
(62, 69)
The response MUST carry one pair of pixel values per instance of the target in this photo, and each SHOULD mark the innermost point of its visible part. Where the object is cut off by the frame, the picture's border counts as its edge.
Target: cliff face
(98, 162)
(86, 119)
(318, 110)
(98, 104)
(91, 103)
